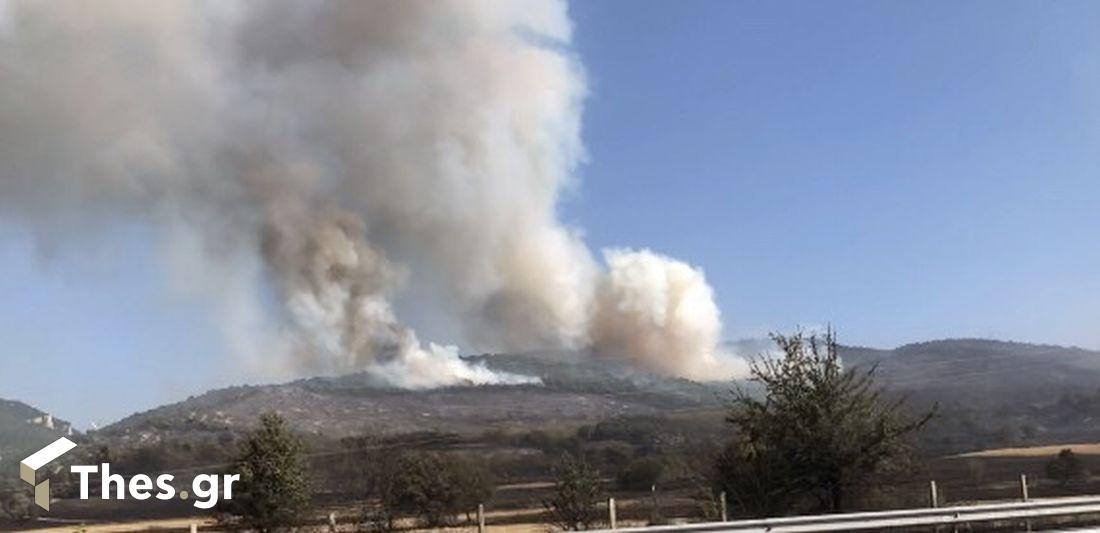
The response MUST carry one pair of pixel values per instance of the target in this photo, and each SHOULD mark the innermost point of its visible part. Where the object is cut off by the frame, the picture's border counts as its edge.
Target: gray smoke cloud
(350, 159)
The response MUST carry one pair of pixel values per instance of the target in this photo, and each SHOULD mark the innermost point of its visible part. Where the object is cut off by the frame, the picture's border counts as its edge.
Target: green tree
(813, 434)
(434, 488)
(475, 484)
(574, 504)
(1067, 469)
(273, 491)
(378, 474)
(16, 502)
(424, 487)
(641, 474)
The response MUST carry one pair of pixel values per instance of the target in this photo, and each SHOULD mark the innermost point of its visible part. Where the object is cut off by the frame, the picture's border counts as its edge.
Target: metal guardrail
(879, 520)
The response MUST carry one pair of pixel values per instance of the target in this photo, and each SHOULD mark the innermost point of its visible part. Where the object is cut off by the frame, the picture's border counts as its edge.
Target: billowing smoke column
(347, 160)
(650, 306)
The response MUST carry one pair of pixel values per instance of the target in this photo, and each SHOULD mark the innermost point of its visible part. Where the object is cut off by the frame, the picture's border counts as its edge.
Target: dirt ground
(987, 475)
(172, 524)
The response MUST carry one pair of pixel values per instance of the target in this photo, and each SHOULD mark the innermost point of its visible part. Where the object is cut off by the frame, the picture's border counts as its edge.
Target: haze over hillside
(24, 428)
(976, 368)
(573, 390)
(987, 379)
(989, 392)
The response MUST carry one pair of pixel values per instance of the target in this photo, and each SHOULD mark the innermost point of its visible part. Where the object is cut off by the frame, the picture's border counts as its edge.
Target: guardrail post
(933, 497)
(332, 522)
(655, 515)
(481, 518)
(1023, 495)
(722, 506)
(611, 512)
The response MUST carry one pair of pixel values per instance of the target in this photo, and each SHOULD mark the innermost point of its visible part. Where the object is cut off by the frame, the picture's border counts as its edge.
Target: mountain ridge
(978, 376)
(24, 428)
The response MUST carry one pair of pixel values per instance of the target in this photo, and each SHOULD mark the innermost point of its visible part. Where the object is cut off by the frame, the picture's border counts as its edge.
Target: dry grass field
(1037, 451)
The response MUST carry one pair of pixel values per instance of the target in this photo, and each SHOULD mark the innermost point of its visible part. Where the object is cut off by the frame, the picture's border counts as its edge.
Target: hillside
(990, 393)
(981, 370)
(573, 391)
(24, 428)
(993, 393)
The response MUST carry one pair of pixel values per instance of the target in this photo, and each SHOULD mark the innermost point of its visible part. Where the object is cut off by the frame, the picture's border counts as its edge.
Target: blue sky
(904, 171)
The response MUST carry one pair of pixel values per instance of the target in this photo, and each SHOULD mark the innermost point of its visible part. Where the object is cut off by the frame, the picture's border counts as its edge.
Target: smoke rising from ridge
(336, 154)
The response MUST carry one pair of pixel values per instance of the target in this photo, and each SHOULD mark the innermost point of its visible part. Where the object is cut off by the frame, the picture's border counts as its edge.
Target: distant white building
(47, 422)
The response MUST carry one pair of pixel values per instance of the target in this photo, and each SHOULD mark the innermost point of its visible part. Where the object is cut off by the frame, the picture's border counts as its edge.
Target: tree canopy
(435, 488)
(574, 504)
(273, 491)
(1067, 469)
(813, 432)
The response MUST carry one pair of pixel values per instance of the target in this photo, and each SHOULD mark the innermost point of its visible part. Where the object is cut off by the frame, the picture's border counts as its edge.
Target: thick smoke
(352, 159)
(650, 306)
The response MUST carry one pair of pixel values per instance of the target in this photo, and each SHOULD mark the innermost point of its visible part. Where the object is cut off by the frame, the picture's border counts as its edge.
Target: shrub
(641, 474)
(273, 491)
(574, 504)
(435, 488)
(819, 433)
(1067, 469)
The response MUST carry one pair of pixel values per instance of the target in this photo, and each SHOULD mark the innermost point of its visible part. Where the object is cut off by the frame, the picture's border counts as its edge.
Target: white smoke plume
(351, 158)
(649, 306)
